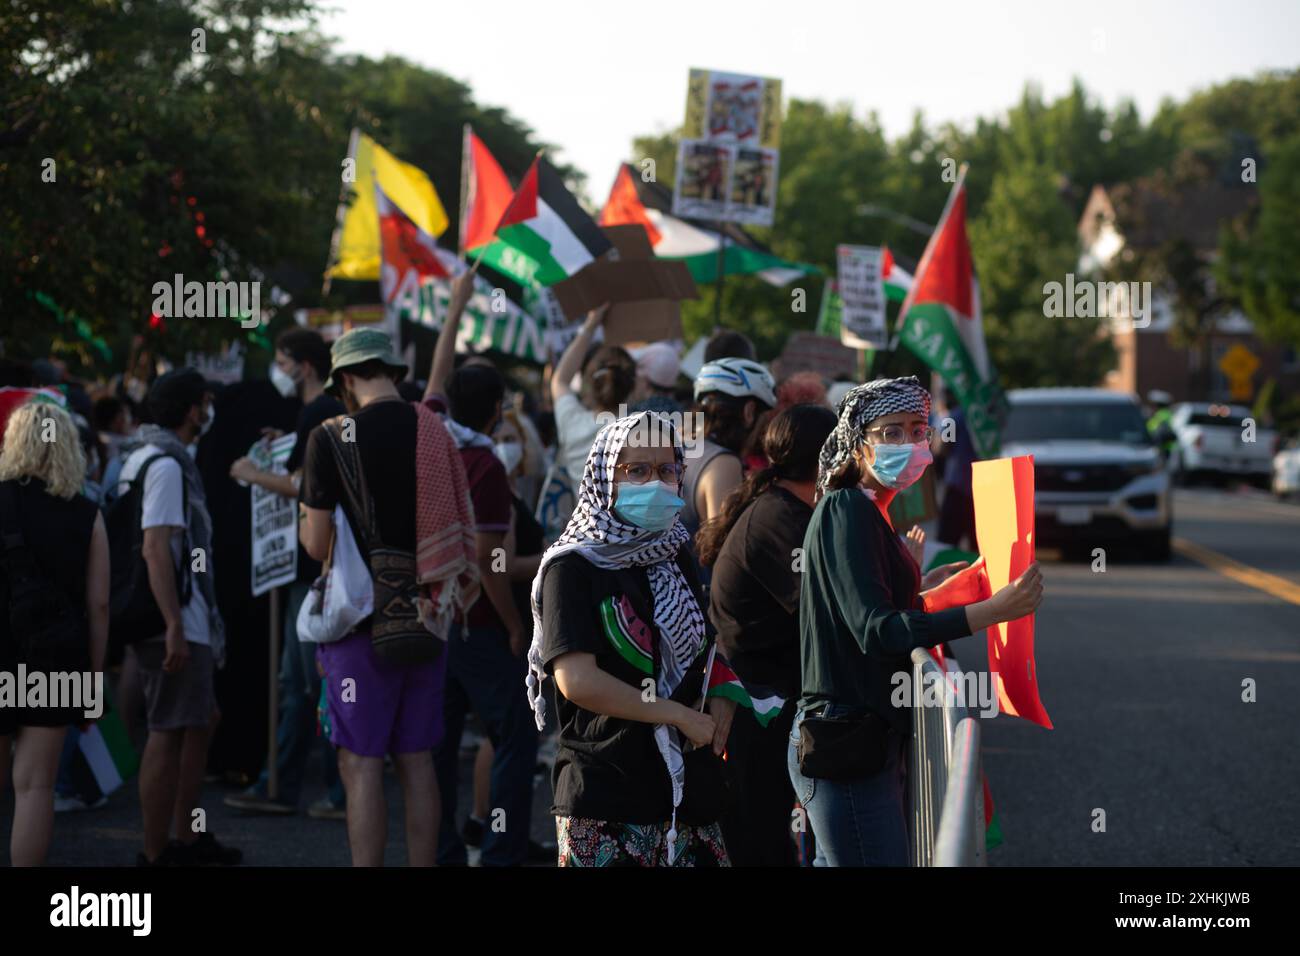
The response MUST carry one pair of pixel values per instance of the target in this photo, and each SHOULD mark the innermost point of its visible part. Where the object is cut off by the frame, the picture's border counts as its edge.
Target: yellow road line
(1242, 573)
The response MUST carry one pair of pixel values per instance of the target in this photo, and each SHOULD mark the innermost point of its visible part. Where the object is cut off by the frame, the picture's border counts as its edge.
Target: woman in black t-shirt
(63, 535)
(753, 547)
(617, 621)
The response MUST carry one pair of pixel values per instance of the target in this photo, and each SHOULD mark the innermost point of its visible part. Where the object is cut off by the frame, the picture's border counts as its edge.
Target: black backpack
(47, 625)
(133, 612)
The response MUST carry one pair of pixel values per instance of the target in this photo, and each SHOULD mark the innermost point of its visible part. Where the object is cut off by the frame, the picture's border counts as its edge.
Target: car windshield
(1076, 421)
(1224, 421)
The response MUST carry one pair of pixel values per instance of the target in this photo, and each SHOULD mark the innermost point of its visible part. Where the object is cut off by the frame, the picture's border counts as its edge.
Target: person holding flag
(860, 617)
(618, 621)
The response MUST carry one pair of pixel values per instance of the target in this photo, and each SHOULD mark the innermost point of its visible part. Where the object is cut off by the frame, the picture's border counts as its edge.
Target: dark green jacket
(859, 609)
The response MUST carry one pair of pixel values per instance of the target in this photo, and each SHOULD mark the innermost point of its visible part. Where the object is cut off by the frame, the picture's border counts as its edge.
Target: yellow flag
(408, 188)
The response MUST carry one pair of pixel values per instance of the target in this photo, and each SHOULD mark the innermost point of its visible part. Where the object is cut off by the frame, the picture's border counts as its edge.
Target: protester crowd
(712, 604)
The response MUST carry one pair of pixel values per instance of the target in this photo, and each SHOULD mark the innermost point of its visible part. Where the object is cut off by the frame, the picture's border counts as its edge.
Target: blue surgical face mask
(652, 506)
(898, 466)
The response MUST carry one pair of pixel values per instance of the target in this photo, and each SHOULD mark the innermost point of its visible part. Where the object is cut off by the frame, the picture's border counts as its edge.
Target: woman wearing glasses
(860, 618)
(617, 621)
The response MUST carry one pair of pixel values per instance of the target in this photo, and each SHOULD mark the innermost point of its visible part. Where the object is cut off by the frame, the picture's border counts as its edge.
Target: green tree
(1259, 263)
(214, 154)
(1023, 238)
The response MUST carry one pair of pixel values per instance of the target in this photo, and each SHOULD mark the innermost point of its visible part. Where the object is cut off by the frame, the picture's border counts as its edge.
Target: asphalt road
(1141, 669)
(111, 835)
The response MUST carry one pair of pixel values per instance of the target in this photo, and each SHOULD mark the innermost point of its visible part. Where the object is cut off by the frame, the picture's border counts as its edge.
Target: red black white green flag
(941, 323)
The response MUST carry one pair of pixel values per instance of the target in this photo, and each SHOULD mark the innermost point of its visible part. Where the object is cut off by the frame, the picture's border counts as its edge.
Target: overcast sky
(589, 75)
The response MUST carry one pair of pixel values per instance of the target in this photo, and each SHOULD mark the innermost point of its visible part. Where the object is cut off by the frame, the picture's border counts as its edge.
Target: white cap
(658, 364)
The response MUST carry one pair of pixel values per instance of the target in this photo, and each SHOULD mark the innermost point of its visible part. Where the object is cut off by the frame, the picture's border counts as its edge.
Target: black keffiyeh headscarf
(861, 406)
(604, 539)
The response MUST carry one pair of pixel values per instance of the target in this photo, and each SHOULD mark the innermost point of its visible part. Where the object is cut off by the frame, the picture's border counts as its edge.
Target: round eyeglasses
(639, 472)
(903, 434)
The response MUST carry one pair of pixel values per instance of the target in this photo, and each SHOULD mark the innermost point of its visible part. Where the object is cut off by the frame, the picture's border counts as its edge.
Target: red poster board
(1004, 526)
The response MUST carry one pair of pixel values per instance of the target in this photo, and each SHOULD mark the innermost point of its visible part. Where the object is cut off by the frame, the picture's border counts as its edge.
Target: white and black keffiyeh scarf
(600, 536)
(858, 408)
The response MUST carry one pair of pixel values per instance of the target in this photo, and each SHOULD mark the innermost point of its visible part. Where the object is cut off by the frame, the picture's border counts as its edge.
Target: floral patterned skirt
(586, 842)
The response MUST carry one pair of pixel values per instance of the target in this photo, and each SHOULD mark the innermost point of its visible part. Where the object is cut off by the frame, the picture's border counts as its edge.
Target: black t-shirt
(319, 409)
(385, 435)
(530, 540)
(754, 597)
(57, 533)
(607, 768)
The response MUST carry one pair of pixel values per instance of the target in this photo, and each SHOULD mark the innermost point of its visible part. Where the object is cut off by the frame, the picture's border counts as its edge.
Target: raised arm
(571, 361)
(444, 354)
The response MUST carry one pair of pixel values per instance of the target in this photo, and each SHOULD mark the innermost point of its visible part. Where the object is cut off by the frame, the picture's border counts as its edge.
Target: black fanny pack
(842, 748)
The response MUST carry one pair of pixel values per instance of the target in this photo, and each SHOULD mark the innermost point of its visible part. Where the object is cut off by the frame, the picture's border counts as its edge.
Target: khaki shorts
(180, 699)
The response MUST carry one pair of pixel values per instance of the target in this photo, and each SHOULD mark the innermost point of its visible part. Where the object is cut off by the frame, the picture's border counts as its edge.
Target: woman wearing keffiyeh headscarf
(861, 617)
(618, 624)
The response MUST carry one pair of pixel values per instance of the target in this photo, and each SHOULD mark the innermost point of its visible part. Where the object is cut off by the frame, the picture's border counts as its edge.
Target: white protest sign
(275, 520)
(861, 287)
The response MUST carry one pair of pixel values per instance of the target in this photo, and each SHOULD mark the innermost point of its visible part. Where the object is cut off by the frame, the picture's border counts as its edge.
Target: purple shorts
(387, 708)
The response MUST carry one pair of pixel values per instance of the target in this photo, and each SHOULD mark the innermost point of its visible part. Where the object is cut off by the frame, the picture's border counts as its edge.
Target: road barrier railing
(944, 774)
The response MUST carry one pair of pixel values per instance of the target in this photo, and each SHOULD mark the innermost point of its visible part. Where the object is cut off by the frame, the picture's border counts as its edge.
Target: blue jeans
(855, 822)
(296, 730)
(483, 676)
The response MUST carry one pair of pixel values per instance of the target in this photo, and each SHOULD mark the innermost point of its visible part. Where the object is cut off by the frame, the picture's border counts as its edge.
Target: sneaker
(206, 851)
(324, 809)
(168, 857)
(74, 804)
(472, 832)
(252, 801)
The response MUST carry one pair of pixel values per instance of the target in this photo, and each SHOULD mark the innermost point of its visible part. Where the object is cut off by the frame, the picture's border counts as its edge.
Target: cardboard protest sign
(861, 287)
(275, 520)
(644, 292)
(807, 351)
(1004, 526)
(558, 330)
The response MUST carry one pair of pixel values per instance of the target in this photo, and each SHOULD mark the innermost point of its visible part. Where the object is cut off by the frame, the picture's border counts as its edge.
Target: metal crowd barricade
(945, 781)
(960, 841)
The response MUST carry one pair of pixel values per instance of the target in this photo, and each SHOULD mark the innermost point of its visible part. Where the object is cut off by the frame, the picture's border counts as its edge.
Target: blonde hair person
(41, 441)
(42, 468)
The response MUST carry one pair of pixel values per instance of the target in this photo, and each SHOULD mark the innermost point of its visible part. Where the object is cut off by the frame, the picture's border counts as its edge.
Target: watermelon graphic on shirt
(628, 634)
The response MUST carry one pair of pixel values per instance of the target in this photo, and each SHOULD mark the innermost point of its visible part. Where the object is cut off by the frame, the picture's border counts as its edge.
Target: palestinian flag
(552, 235)
(633, 201)
(485, 195)
(723, 682)
(415, 282)
(941, 323)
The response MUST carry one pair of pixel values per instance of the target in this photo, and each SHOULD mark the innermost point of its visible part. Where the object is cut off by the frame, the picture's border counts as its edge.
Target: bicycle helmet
(742, 378)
